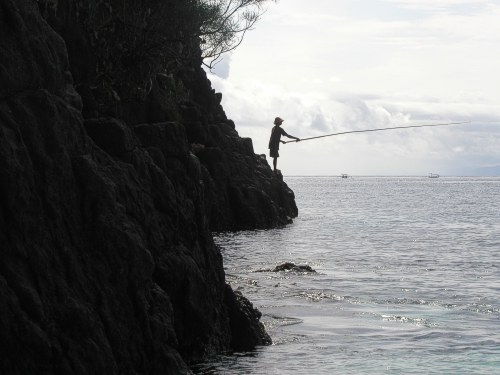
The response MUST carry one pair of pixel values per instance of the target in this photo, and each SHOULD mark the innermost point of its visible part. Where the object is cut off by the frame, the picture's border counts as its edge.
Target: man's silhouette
(274, 141)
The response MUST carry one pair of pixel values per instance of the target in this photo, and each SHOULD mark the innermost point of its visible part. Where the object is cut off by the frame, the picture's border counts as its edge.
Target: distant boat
(433, 175)
(344, 175)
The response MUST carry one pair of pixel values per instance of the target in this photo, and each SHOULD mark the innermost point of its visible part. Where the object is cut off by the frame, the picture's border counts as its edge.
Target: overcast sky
(328, 66)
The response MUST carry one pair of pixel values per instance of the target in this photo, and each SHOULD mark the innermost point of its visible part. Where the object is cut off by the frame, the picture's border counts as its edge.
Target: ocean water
(407, 279)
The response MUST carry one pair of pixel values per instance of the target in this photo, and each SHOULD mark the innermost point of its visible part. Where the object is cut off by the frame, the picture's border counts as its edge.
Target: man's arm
(291, 136)
(283, 132)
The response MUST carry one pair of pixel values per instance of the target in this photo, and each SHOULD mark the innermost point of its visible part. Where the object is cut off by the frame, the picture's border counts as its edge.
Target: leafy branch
(224, 25)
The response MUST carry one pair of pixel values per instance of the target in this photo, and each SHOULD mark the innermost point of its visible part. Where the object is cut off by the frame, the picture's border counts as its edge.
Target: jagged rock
(170, 137)
(34, 62)
(113, 136)
(108, 265)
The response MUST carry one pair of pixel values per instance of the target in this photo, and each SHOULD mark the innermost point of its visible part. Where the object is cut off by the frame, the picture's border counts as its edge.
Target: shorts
(274, 153)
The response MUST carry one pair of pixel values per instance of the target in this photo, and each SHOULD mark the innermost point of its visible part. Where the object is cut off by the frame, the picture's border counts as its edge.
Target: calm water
(407, 282)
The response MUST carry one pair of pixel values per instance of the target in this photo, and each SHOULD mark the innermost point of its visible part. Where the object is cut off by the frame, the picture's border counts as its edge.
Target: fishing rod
(380, 129)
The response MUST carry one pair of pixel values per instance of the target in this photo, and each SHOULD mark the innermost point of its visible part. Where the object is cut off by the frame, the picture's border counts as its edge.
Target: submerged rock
(287, 267)
(290, 267)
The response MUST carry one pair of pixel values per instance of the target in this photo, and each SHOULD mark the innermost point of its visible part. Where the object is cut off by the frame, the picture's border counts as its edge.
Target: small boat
(344, 175)
(433, 175)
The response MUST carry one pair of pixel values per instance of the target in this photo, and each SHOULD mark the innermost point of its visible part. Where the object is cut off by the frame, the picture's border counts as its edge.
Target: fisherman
(274, 141)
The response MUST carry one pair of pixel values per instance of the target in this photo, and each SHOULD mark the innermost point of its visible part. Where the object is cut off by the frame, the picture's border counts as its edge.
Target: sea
(406, 281)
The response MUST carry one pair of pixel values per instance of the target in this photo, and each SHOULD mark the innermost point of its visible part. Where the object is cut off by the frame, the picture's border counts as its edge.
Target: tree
(224, 23)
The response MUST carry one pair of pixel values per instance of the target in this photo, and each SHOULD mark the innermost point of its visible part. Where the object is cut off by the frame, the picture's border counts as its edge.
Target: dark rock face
(107, 263)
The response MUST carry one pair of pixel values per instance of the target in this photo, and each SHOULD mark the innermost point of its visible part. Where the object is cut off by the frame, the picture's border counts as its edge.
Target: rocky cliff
(107, 205)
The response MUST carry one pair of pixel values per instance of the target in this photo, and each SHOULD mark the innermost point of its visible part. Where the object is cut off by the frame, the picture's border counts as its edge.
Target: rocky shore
(107, 205)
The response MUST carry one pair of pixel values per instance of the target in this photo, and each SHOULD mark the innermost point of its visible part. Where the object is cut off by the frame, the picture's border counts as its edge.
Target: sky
(328, 66)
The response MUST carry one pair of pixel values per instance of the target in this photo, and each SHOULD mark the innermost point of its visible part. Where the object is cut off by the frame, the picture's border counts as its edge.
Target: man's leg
(275, 162)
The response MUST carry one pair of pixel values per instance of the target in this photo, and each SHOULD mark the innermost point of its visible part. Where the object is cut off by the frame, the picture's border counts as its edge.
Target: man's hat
(278, 120)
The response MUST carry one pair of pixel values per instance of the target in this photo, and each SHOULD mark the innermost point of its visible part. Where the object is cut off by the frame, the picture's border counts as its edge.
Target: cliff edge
(107, 204)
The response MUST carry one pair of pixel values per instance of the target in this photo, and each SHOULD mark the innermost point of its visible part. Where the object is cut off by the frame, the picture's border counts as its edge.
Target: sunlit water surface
(407, 282)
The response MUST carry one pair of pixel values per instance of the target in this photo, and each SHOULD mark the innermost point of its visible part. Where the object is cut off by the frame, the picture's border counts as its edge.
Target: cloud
(253, 106)
(319, 123)
(329, 67)
(222, 67)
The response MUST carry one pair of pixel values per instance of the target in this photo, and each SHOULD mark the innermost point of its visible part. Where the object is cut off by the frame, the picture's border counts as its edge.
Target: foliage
(223, 25)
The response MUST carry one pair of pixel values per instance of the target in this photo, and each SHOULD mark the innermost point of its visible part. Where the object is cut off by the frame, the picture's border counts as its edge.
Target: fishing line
(381, 129)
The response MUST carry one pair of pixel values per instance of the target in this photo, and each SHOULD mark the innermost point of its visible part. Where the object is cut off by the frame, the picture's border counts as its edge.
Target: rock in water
(246, 329)
(293, 267)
